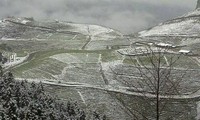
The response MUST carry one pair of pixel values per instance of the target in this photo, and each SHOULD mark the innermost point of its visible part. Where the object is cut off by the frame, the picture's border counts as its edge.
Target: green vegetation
(187, 62)
(21, 54)
(5, 47)
(60, 36)
(41, 58)
(179, 109)
(140, 60)
(110, 55)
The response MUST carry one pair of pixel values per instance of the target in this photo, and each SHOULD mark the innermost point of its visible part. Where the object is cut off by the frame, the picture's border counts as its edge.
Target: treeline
(20, 100)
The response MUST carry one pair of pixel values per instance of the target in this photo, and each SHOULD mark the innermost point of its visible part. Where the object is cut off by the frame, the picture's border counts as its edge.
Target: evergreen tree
(29, 101)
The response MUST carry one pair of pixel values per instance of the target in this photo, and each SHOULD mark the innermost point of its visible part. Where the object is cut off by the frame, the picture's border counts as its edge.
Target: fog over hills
(101, 67)
(126, 16)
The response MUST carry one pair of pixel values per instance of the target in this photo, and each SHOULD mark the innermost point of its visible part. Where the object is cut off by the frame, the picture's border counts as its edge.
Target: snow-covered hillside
(92, 30)
(12, 27)
(186, 25)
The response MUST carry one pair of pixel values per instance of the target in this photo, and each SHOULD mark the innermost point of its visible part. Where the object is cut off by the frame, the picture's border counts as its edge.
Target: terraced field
(80, 62)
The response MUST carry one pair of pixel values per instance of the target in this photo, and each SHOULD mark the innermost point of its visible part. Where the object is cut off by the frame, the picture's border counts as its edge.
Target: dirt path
(88, 41)
(107, 88)
(103, 75)
(196, 60)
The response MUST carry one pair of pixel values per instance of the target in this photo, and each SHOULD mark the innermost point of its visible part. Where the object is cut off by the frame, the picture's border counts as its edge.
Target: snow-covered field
(185, 26)
(91, 30)
(77, 57)
(190, 27)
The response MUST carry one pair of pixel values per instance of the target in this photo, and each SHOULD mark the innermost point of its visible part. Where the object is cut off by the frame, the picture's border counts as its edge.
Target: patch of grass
(186, 62)
(61, 36)
(81, 37)
(130, 61)
(40, 57)
(21, 54)
(143, 60)
(110, 55)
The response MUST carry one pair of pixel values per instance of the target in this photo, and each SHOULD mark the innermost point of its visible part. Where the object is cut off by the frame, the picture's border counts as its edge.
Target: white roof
(184, 51)
(164, 44)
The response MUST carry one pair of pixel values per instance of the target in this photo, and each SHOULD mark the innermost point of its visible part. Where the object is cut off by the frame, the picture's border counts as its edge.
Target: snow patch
(184, 51)
(96, 30)
(91, 30)
(164, 44)
(77, 57)
(7, 39)
(82, 98)
(25, 21)
(81, 28)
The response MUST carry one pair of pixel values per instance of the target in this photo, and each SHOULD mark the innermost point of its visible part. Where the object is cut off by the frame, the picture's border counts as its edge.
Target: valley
(92, 64)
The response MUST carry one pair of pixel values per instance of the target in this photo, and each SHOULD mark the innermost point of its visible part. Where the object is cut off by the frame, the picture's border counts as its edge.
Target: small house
(185, 51)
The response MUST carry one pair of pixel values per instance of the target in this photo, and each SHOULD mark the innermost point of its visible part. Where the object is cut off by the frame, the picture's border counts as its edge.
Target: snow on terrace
(143, 50)
(183, 28)
(77, 57)
(96, 30)
(91, 30)
(19, 20)
(107, 65)
(81, 28)
(25, 21)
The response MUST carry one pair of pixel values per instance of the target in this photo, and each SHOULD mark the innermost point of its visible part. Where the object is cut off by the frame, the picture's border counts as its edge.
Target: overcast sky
(127, 16)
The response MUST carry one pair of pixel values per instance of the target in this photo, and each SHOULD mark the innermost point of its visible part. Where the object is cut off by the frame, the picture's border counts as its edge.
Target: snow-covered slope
(186, 25)
(92, 30)
(193, 13)
(17, 27)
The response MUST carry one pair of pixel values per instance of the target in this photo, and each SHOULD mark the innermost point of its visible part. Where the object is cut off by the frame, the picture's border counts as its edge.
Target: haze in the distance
(127, 16)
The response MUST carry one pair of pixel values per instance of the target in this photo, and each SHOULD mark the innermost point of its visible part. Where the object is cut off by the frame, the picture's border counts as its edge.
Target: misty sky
(127, 16)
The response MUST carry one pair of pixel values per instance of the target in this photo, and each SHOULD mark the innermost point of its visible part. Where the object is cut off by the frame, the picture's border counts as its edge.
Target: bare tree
(156, 77)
